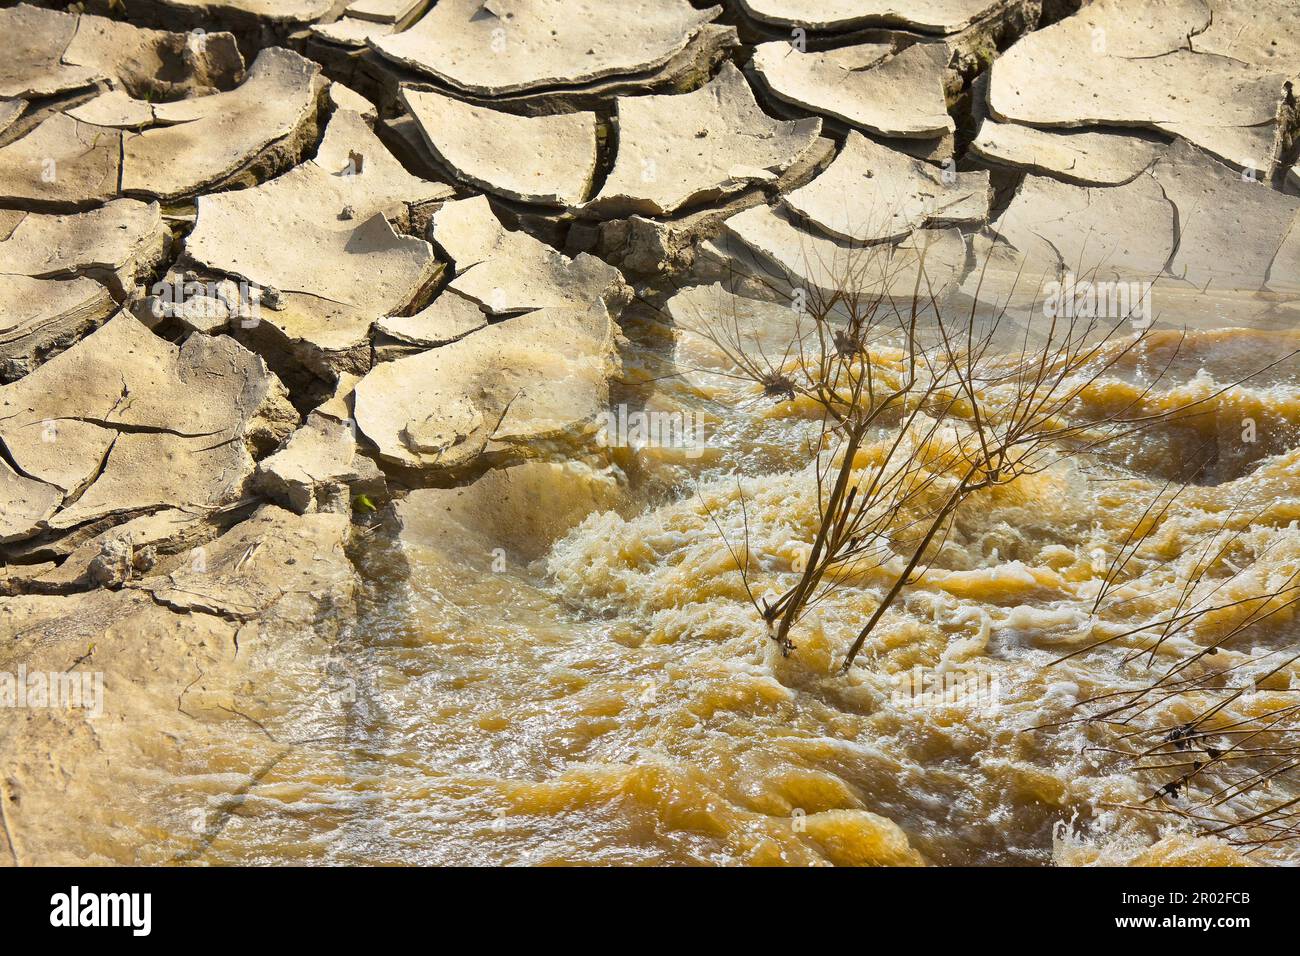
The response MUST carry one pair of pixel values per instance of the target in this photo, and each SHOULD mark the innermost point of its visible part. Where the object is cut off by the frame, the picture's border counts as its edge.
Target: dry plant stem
(958, 495)
(957, 410)
(1012, 406)
(1220, 770)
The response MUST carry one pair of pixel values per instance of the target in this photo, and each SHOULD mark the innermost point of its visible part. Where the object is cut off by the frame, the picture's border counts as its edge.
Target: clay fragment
(508, 46)
(928, 16)
(872, 193)
(866, 86)
(507, 272)
(319, 242)
(677, 151)
(1146, 64)
(125, 422)
(38, 317)
(1076, 156)
(513, 384)
(548, 160)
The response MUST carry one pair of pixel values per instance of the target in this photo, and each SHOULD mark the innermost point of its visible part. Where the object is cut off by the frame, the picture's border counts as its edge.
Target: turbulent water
(612, 697)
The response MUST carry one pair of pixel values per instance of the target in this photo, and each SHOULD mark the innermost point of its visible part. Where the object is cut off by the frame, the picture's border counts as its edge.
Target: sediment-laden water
(612, 697)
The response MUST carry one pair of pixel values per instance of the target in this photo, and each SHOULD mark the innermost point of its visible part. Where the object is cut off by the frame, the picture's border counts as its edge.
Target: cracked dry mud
(314, 317)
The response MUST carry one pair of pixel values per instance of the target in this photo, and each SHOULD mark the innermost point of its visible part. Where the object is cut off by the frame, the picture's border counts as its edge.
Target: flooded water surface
(567, 670)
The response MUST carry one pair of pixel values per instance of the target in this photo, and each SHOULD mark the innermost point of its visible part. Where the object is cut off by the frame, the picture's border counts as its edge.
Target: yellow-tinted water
(611, 697)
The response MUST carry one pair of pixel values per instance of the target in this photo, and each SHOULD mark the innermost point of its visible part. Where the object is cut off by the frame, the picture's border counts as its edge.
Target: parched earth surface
(294, 294)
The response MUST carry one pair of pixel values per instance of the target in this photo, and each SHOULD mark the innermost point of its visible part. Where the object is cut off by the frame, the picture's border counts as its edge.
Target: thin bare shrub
(947, 405)
(921, 409)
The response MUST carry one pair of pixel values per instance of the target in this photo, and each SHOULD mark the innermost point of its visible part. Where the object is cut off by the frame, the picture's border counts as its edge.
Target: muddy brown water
(609, 697)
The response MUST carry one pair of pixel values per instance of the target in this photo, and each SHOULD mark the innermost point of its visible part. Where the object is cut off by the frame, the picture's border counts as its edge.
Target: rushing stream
(611, 696)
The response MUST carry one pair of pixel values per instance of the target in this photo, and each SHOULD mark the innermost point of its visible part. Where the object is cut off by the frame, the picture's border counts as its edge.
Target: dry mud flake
(118, 245)
(345, 98)
(116, 109)
(129, 550)
(928, 16)
(866, 86)
(319, 469)
(1082, 157)
(675, 151)
(38, 317)
(684, 70)
(351, 32)
(496, 47)
(213, 140)
(872, 193)
(33, 65)
(1056, 235)
(156, 63)
(10, 110)
(1265, 33)
(49, 53)
(125, 422)
(549, 160)
(449, 317)
(244, 681)
(320, 237)
(27, 502)
(62, 162)
(273, 12)
(1143, 63)
(226, 579)
(766, 242)
(1238, 238)
(506, 272)
(386, 11)
(1104, 232)
(518, 382)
